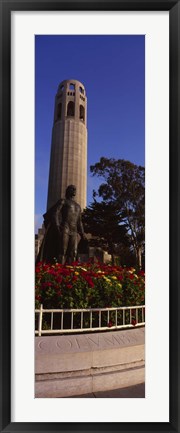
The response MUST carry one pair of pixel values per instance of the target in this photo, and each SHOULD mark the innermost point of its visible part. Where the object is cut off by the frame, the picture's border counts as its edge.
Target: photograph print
(90, 216)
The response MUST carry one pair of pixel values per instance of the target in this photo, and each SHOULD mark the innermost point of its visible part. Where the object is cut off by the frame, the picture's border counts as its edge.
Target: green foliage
(103, 220)
(124, 189)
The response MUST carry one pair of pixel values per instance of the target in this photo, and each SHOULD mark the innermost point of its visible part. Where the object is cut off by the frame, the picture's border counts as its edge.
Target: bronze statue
(63, 224)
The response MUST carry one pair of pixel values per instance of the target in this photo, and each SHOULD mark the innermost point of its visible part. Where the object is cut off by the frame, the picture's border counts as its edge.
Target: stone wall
(81, 364)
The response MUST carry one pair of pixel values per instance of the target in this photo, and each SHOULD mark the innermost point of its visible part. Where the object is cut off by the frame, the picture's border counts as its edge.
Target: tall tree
(104, 222)
(124, 188)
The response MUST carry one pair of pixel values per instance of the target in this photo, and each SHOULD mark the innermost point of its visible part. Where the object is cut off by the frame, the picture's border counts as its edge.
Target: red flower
(59, 279)
(131, 277)
(69, 286)
(75, 264)
(45, 266)
(51, 272)
(110, 324)
(38, 269)
(65, 272)
(46, 284)
(89, 281)
(39, 263)
(141, 273)
(133, 322)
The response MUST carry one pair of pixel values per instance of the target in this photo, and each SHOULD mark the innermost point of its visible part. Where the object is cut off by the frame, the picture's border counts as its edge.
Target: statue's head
(70, 191)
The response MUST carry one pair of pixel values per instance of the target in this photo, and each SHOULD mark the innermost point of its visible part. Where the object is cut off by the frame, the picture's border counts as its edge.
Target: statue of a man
(63, 224)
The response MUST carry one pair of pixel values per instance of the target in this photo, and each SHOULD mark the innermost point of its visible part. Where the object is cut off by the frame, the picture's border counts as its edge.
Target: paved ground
(136, 391)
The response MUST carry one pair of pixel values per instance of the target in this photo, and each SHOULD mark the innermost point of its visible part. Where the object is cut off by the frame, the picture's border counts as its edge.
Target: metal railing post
(40, 320)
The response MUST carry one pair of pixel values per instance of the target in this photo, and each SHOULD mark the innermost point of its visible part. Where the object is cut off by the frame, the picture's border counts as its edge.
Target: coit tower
(68, 161)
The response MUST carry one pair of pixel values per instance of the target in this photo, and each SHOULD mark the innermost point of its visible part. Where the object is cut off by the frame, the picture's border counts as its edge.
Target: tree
(103, 221)
(124, 188)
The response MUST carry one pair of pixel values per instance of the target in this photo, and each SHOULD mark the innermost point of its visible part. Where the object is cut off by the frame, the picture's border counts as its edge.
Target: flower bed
(88, 286)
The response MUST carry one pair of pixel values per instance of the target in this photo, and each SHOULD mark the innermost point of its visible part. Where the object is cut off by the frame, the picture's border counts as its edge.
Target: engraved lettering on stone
(82, 343)
(70, 343)
(121, 340)
(94, 342)
(109, 340)
(67, 344)
(77, 342)
(40, 344)
(58, 345)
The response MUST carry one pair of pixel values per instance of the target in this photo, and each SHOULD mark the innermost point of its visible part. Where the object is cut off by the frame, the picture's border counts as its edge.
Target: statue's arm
(80, 227)
(53, 215)
(57, 215)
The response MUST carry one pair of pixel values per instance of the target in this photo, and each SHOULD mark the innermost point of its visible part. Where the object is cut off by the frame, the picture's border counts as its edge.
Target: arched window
(81, 113)
(59, 110)
(70, 108)
(81, 90)
(72, 86)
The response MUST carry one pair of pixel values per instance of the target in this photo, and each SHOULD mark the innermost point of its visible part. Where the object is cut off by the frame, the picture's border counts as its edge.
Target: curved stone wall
(80, 364)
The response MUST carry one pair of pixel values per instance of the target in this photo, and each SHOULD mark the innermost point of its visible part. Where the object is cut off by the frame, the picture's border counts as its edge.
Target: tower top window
(81, 90)
(72, 86)
(70, 109)
(81, 113)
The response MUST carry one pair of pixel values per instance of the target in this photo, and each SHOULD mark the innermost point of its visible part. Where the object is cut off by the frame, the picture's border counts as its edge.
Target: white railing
(61, 321)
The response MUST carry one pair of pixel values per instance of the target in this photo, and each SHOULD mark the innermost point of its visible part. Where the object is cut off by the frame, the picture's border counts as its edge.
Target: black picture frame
(6, 7)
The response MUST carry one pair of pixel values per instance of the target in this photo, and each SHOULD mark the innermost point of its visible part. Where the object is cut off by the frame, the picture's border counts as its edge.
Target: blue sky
(112, 69)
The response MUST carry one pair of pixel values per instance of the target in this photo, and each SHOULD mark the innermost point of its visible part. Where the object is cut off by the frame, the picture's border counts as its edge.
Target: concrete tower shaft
(68, 162)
